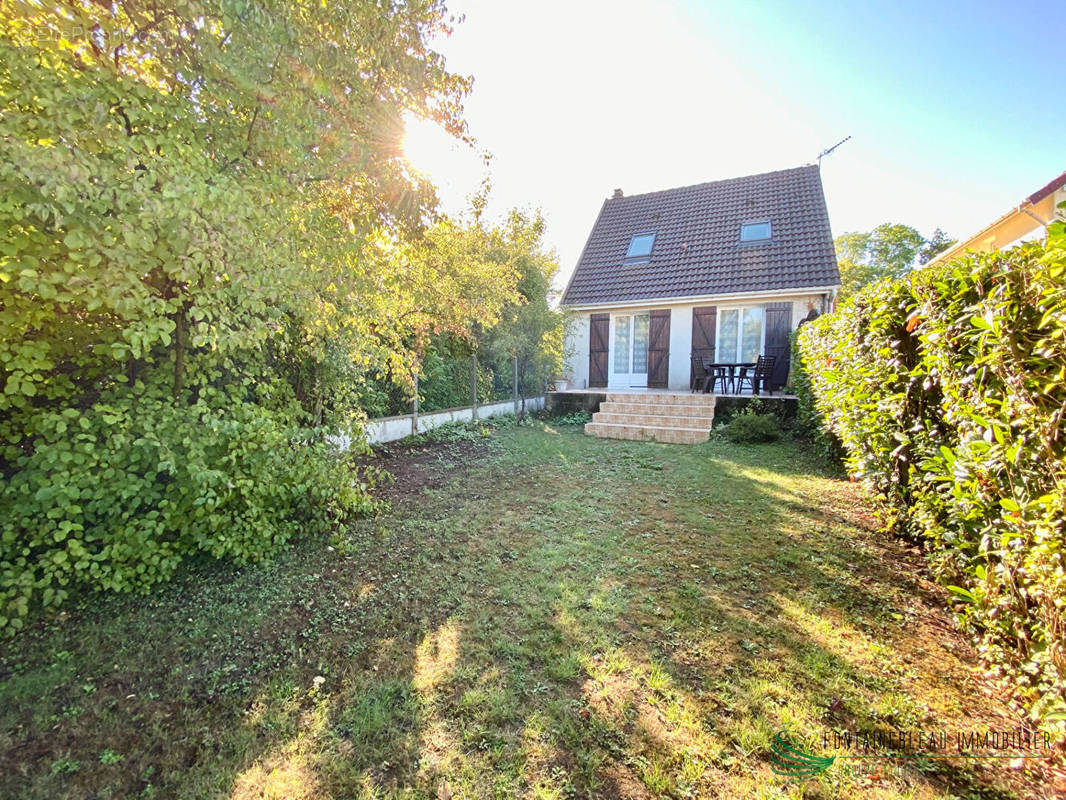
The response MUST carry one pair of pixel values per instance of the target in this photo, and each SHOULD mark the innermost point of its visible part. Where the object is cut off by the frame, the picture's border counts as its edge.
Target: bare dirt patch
(416, 467)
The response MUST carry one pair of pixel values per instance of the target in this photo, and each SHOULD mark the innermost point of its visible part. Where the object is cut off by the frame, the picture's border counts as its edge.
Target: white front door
(629, 351)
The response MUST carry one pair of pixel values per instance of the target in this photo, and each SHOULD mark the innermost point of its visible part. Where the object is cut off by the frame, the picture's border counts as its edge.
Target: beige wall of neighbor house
(577, 368)
(1027, 222)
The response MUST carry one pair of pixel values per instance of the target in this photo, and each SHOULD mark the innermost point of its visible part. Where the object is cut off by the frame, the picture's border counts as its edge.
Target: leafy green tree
(890, 250)
(934, 246)
(209, 239)
(531, 327)
(528, 327)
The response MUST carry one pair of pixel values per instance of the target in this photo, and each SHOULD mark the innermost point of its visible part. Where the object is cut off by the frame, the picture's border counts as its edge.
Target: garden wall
(391, 429)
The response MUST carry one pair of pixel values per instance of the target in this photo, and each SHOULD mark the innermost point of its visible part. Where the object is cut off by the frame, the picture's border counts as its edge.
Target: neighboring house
(723, 270)
(1027, 221)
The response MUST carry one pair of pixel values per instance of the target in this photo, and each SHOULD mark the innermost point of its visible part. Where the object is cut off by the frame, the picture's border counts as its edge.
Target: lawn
(539, 614)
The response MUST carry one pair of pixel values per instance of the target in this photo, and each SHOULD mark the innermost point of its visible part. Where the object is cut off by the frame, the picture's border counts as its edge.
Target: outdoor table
(730, 368)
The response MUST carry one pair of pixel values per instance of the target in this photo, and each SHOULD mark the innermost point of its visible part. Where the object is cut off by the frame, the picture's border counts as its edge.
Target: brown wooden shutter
(778, 328)
(704, 332)
(659, 348)
(599, 338)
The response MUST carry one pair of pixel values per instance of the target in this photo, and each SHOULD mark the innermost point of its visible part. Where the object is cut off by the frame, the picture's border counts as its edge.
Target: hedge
(947, 390)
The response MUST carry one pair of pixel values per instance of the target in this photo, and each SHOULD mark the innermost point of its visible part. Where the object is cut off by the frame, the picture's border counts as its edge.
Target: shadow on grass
(569, 617)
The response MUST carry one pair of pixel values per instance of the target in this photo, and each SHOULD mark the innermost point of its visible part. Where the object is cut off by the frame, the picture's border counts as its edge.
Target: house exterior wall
(1019, 227)
(680, 346)
(577, 367)
(1012, 229)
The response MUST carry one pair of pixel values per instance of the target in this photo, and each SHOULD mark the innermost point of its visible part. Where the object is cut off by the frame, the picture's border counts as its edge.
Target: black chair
(714, 373)
(759, 378)
(699, 374)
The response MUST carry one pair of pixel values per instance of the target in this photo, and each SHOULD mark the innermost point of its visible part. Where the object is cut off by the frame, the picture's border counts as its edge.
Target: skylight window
(755, 231)
(639, 251)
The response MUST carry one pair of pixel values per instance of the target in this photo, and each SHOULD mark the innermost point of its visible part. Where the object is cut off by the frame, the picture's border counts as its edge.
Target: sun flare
(451, 164)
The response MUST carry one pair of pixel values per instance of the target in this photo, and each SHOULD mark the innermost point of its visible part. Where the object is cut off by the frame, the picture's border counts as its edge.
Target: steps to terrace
(674, 417)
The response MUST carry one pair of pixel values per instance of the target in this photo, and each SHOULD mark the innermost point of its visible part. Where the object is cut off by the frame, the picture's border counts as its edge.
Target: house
(722, 270)
(1026, 221)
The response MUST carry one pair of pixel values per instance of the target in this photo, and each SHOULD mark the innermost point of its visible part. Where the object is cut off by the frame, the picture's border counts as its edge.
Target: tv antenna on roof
(831, 149)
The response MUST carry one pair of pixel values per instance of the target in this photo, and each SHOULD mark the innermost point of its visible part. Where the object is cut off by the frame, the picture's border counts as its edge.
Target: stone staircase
(677, 418)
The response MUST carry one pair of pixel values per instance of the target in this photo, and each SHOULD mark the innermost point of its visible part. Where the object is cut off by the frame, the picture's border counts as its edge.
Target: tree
(934, 246)
(209, 237)
(530, 330)
(888, 251)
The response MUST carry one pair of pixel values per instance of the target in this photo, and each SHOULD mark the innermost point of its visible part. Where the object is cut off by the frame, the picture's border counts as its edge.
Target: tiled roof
(697, 241)
(1046, 189)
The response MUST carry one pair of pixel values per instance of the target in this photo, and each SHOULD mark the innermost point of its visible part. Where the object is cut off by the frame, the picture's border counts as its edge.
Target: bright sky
(956, 109)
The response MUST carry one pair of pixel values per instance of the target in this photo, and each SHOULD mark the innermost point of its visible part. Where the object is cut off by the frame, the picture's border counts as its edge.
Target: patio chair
(715, 374)
(699, 374)
(760, 377)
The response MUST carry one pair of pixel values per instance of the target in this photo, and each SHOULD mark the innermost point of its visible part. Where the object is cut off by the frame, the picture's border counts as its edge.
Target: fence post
(473, 386)
(414, 412)
(515, 392)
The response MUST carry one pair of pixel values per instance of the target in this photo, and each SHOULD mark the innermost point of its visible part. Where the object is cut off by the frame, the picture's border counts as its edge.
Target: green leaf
(962, 594)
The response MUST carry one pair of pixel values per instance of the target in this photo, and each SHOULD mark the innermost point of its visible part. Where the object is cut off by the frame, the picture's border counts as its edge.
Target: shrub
(451, 432)
(467, 431)
(573, 418)
(750, 426)
(808, 421)
(117, 496)
(947, 391)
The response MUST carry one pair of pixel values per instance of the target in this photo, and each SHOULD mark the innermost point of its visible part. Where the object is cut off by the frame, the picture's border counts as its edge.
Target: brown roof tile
(697, 241)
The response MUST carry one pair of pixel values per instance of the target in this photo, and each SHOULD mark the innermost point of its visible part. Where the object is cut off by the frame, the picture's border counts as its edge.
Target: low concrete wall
(390, 429)
(559, 404)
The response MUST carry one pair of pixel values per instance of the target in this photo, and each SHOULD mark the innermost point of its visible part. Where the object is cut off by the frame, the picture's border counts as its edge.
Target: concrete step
(666, 410)
(662, 398)
(647, 433)
(640, 417)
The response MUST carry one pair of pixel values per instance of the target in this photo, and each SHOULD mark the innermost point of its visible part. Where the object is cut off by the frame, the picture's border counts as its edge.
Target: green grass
(552, 616)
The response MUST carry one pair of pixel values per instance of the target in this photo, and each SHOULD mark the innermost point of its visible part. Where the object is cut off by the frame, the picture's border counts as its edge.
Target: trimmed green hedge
(947, 391)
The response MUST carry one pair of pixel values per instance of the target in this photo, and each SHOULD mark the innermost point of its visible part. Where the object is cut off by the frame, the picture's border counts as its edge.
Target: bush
(118, 496)
(947, 391)
(573, 418)
(467, 431)
(750, 426)
(807, 424)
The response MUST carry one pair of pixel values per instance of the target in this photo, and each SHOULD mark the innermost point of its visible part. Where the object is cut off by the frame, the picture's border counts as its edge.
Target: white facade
(681, 313)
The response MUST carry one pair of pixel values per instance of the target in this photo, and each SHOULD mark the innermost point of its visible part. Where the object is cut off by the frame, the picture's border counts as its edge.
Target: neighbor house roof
(1034, 212)
(697, 248)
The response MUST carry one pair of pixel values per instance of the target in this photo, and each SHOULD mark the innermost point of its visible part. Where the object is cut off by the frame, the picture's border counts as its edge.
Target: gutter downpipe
(1042, 222)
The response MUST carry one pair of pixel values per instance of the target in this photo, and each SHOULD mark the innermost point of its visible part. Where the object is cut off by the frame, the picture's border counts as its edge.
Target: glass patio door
(630, 346)
(740, 334)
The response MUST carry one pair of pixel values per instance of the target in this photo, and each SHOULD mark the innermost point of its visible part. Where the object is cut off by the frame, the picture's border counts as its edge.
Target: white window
(740, 334)
(755, 231)
(631, 345)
